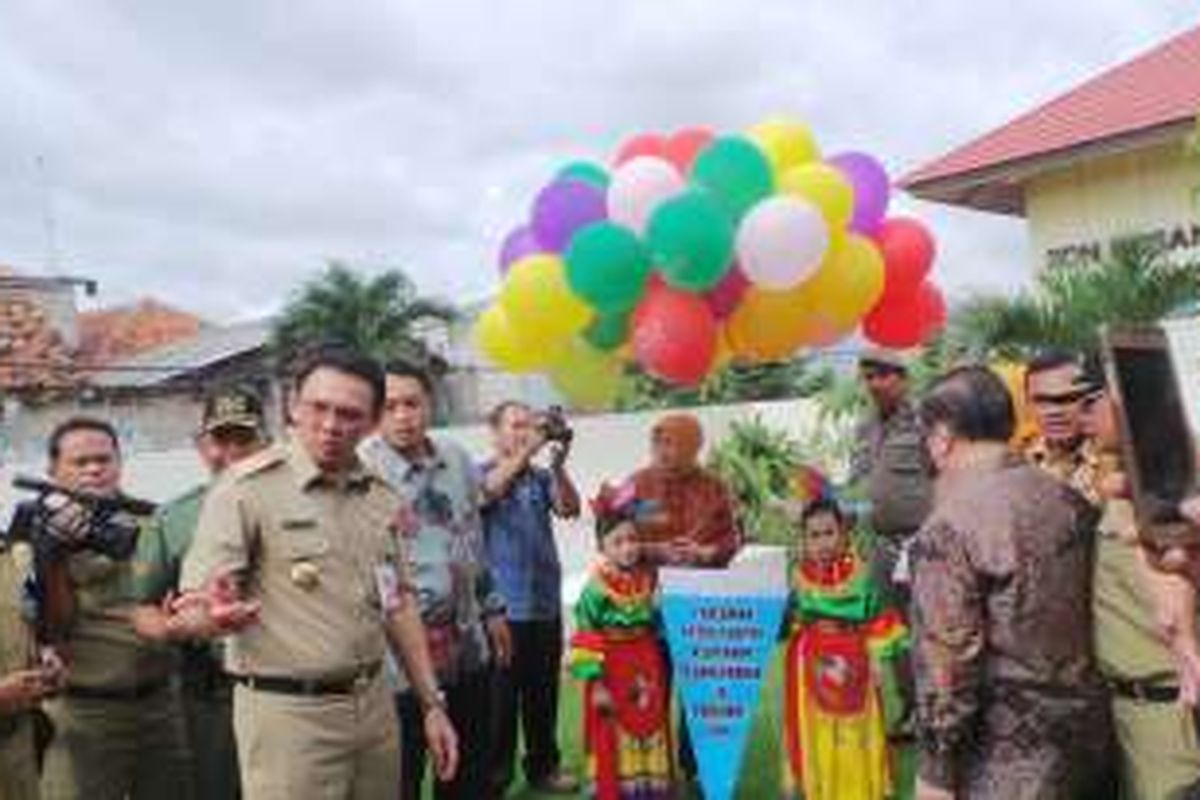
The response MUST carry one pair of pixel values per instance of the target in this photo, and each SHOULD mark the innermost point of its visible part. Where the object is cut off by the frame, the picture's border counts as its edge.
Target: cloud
(215, 153)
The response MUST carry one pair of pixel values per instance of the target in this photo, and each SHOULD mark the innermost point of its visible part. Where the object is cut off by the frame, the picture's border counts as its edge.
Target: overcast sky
(214, 153)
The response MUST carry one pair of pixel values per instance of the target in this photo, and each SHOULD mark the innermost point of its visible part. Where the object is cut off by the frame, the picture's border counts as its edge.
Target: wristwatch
(435, 699)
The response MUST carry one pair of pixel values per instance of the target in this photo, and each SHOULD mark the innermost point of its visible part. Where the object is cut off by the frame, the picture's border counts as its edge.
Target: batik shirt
(1002, 609)
(454, 587)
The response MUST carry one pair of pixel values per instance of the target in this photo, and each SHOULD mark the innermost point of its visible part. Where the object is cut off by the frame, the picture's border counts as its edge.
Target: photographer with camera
(119, 730)
(520, 500)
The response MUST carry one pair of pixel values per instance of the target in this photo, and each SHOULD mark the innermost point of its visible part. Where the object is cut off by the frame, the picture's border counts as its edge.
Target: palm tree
(377, 315)
(1068, 306)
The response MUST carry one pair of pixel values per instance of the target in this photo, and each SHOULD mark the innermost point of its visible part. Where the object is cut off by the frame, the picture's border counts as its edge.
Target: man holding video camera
(520, 501)
(118, 727)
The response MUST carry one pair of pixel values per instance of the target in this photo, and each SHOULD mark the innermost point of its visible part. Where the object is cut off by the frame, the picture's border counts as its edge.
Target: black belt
(139, 692)
(1143, 691)
(309, 687)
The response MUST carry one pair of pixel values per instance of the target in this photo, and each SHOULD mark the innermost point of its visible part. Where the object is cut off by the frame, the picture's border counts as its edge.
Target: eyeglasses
(1064, 399)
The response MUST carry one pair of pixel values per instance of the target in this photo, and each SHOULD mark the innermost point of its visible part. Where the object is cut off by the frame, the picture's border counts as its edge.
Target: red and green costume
(616, 646)
(840, 687)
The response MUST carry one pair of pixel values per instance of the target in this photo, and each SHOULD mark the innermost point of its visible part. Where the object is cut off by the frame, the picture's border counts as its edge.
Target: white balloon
(638, 187)
(781, 242)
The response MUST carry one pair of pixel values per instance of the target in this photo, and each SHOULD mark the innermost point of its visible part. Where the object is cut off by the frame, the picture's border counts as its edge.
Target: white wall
(607, 447)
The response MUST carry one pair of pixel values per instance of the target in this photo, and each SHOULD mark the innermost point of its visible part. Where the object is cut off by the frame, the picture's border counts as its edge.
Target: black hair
(496, 415)
(346, 360)
(1048, 359)
(823, 505)
(882, 367)
(400, 368)
(75, 424)
(973, 403)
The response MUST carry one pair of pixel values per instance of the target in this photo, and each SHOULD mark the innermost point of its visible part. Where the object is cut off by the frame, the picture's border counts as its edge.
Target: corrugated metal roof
(210, 346)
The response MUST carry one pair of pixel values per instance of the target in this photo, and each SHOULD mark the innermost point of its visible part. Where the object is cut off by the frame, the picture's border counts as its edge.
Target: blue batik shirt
(519, 535)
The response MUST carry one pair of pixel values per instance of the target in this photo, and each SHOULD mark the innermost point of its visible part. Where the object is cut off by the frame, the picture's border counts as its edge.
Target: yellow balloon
(824, 187)
(785, 142)
(505, 347)
(767, 326)
(848, 284)
(540, 303)
(589, 378)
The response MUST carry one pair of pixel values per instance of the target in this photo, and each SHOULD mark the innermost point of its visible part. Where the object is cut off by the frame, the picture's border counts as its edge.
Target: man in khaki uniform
(890, 463)
(313, 540)
(1144, 628)
(232, 429)
(119, 729)
(1056, 389)
(21, 686)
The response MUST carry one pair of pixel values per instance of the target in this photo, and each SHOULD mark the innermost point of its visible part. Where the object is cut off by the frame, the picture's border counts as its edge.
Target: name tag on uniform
(387, 582)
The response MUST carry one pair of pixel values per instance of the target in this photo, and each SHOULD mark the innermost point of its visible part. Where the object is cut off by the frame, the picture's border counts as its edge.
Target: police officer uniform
(313, 715)
(207, 692)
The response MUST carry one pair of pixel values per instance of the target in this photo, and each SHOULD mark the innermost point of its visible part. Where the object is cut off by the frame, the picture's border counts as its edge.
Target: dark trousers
(527, 692)
(467, 702)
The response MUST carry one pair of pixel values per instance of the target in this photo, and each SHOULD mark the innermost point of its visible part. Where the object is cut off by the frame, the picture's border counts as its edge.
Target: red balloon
(674, 335)
(931, 307)
(725, 296)
(644, 144)
(683, 147)
(895, 322)
(908, 250)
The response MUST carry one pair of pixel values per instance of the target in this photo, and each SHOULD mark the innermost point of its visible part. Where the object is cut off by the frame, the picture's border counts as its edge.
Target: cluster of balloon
(693, 250)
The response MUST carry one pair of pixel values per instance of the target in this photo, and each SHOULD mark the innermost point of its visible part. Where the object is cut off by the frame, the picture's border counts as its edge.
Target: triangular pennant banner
(721, 628)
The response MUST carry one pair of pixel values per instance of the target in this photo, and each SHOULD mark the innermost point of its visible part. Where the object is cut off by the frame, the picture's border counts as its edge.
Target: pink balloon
(781, 242)
(638, 187)
(723, 299)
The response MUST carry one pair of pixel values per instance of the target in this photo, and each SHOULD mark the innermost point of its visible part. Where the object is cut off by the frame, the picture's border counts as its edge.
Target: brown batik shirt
(1008, 700)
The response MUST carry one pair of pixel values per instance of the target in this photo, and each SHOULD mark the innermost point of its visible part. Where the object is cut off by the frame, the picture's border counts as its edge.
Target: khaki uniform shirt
(890, 460)
(313, 550)
(16, 633)
(1126, 638)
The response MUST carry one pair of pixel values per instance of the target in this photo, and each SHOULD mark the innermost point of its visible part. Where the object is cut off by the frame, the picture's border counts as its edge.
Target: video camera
(554, 426)
(104, 524)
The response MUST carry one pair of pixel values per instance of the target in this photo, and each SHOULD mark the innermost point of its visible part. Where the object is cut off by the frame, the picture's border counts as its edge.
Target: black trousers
(468, 704)
(527, 692)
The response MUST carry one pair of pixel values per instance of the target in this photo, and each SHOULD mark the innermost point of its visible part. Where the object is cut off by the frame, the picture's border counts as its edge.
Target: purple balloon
(519, 243)
(871, 189)
(564, 207)
(725, 296)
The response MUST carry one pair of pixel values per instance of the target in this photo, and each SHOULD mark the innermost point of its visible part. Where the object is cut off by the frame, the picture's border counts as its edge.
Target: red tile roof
(112, 334)
(1155, 91)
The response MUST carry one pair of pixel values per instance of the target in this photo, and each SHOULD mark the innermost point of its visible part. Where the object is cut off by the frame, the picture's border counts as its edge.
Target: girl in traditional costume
(841, 684)
(617, 653)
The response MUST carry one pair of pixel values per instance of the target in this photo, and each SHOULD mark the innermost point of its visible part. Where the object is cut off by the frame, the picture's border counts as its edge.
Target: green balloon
(736, 171)
(585, 171)
(607, 267)
(690, 238)
(608, 333)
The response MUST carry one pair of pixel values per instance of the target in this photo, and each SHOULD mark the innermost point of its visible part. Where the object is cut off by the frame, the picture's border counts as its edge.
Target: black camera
(554, 426)
(107, 525)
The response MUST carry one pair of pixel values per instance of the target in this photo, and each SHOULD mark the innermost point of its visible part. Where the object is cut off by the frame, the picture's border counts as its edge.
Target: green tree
(757, 463)
(1068, 306)
(799, 377)
(379, 315)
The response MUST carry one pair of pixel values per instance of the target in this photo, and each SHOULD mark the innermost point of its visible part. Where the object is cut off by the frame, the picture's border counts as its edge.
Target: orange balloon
(768, 326)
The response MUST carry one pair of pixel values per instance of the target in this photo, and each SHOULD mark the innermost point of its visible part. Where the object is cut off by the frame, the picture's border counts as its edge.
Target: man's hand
(24, 689)
(559, 452)
(927, 791)
(215, 610)
(500, 636)
(442, 743)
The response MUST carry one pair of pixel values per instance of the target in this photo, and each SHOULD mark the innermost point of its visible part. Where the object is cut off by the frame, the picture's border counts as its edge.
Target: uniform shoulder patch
(269, 459)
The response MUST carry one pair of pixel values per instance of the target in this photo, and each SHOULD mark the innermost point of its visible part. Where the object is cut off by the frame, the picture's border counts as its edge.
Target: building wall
(1075, 211)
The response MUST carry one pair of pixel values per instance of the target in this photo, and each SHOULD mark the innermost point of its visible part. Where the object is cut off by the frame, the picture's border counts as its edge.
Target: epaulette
(262, 461)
